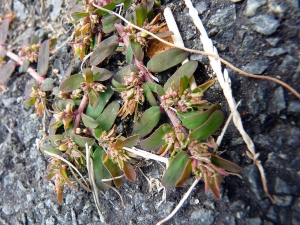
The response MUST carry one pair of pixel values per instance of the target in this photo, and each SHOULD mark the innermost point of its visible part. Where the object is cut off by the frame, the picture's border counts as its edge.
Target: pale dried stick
(225, 83)
(204, 53)
(90, 169)
(185, 196)
(177, 39)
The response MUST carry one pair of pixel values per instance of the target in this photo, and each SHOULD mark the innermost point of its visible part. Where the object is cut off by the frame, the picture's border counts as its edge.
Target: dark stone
(275, 52)
(251, 173)
(289, 62)
(248, 45)
(202, 216)
(257, 67)
(277, 102)
(265, 24)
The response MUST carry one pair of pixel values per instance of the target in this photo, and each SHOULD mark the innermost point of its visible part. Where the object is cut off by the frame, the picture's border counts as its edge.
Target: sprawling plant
(85, 113)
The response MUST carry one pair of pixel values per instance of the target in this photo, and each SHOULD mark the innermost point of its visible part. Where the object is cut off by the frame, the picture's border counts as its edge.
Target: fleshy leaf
(140, 14)
(100, 171)
(137, 50)
(166, 60)
(147, 121)
(156, 88)
(4, 30)
(119, 76)
(209, 127)
(93, 97)
(205, 86)
(108, 24)
(101, 74)
(30, 102)
(6, 71)
(43, 58)
(71, 83)
(129, 54)
(50, 150)
(155, 140)
(47, 85)
(89, 121)
(107, 118)
(110, 6)
(89, 77)
(113, 169)
(62, 104)
(128, 142)
(81, 141)
(183, 84)
(186, 69)
(225, 164)
(196, 118)
(149, 95)
(94, 112)
(54, 138)
(129, 171)
(175, 170)
(103, 50)
(213, 182)
(78, 15)
(185, 174)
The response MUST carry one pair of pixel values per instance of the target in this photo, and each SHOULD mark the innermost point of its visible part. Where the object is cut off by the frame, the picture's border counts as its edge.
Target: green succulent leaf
(110, 6)
(147, 121)
(81, 141)
(107, 118)
(71, 83)
(47, 85)
(192, 120)
(93, 97)
(103, 50)
(203, 87)
(166, 60)
(185, 174)
(94, 112)
(225, 164)
(89, 77)
(119, 87)
(129, 171)
(113, 169)
(155, 140)
(156, 88)
(78, 15)
(137, 50)
(30, 102)
(149, 95)
(127, 4)
(100, 171)
(129, 54)
(89, 121)
(186, 69)
(183, 84)
(108, 24)
(127, 142)
(176, 169)
(62, 104)
(50, 150)
(140, 15)
(119, 76)
(54, 138)
(24, 67)
(209, 127)
(101, 74)
(43, 58)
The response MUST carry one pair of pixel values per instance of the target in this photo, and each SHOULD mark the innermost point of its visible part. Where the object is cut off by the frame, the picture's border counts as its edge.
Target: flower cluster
(30, 53)
(181, 102)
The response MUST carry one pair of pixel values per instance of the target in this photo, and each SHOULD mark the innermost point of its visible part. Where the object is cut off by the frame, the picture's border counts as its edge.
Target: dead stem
(205, 53)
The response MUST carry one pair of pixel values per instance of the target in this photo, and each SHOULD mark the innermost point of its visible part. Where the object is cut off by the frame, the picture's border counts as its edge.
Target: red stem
(79, 112)
(140, 65)
(20, 61)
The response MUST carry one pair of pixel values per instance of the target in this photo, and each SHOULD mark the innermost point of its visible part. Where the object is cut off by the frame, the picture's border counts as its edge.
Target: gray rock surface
(252, 6)
(265, 24)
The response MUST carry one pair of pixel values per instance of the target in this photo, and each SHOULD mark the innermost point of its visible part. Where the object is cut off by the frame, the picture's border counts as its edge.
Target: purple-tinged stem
(19, 61)
(79, 112)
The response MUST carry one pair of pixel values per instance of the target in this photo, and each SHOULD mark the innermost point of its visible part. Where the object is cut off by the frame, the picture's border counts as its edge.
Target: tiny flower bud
(78, 131)
(63, 147)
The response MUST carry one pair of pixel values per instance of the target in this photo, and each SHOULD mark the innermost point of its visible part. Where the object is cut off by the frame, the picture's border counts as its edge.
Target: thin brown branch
(205, 53)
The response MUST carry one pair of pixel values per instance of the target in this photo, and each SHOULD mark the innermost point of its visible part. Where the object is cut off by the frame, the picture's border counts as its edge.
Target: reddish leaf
(101, 74)
(4, 30)
(225, 164)
(129, 171)
(113, 169)
(6, 71)
(43, 58)
(185, 174)
(103, 50)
